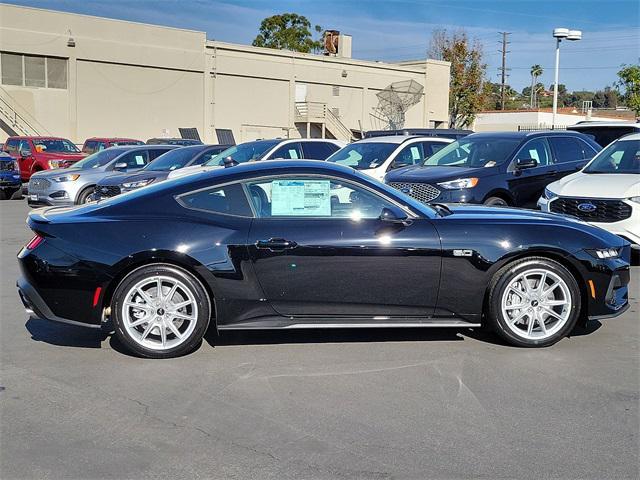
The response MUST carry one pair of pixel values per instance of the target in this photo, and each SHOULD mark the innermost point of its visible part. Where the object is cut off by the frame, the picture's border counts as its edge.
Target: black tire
(83, 195)
(496, 202)
(16, 194)
(3, 195)
(501, 281)
(192, 283)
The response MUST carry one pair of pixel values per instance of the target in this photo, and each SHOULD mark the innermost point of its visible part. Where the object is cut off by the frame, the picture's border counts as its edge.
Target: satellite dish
(394, 102)
(331, 38)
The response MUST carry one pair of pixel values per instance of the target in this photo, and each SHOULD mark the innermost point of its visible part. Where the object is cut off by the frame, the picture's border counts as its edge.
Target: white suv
(375, 156)
(606, 192)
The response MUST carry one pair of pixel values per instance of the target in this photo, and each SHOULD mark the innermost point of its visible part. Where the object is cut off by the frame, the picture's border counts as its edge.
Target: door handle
(276, 244)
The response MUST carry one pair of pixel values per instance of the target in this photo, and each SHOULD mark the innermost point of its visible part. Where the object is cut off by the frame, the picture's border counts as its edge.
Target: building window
(33, 70)
(336, 90)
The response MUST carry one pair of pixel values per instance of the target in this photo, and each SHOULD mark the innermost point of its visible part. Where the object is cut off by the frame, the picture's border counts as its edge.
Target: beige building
(78, 76)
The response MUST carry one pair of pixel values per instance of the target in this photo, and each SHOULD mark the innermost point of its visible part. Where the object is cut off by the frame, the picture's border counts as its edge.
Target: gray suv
(72, 186)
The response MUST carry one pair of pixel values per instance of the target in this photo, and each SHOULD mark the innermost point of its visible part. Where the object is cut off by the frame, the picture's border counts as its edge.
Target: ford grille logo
(407, 190)
(104, 190)
(587, 207)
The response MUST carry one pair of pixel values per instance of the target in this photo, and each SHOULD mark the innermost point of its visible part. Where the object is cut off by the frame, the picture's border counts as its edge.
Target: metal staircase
(317, 114)
(14, 120)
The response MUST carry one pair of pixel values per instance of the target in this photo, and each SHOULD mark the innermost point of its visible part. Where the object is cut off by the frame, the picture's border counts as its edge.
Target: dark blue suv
(10, 181)
(498, 168)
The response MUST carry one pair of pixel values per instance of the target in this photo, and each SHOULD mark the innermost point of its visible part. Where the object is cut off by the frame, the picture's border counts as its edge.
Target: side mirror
(120, 166)
(394, 215)
(524, 163)
(25, 153)
(229, 162)
(399, 164)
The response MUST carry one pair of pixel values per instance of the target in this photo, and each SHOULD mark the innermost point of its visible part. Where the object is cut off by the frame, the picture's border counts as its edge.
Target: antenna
(394, 101)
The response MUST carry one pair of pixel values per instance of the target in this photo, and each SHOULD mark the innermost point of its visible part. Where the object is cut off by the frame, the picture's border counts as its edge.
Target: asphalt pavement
(351, 404)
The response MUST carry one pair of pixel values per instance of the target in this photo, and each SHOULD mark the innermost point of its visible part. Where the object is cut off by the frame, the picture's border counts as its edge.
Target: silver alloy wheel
(536, 304)
(159, 312)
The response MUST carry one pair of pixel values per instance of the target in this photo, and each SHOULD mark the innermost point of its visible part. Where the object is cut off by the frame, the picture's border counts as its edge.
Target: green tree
(466, 90)
(629, 86)
(288, 31)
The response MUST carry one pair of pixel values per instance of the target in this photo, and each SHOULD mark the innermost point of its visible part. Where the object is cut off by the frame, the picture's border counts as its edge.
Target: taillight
(34, 242)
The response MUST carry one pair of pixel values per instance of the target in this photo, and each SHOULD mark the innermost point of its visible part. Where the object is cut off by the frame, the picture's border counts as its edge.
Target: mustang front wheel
(160, 311)
(534, 302)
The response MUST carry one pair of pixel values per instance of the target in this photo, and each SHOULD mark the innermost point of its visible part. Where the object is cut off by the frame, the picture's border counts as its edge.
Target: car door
(319, 247)
(288, 151)
(26, 163)
(526, 185)
(569, 154)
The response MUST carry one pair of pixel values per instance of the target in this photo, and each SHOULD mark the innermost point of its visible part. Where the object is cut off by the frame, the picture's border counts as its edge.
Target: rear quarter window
(225, 200)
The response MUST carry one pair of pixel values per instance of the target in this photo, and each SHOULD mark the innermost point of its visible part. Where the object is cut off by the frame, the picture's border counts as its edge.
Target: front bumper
(56, 194)
(37, 308)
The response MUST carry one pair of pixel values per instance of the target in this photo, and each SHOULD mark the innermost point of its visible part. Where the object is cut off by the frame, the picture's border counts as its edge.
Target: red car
(41, 153)
(95, 144)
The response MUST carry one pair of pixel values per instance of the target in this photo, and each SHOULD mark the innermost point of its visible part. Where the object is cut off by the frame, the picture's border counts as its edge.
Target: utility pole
(503, 69)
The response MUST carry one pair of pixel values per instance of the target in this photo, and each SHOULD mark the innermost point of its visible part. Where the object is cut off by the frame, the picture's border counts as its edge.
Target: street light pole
(559, 34)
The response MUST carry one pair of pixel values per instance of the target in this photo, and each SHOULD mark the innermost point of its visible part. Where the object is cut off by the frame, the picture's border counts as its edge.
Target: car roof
(398, 139)
(111, 139)
(599, 123)
(38, 137)
(524, 135)
(631, 136)
(128, 148)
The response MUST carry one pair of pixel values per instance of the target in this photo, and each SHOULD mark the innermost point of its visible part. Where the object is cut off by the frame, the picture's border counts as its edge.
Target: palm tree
(536, 71)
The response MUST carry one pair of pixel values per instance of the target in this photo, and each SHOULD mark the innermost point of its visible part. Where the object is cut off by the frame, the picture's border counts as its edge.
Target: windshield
(244, 152)
(173, 159)
(619, 157)
(473, 153)
(363, 156)
(55, 145)
(98, 159)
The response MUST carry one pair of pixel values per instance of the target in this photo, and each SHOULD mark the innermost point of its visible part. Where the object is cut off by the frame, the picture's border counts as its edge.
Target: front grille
(7, 165)
(106, 191)
(38, 184)
(592, 209)
(422, 192)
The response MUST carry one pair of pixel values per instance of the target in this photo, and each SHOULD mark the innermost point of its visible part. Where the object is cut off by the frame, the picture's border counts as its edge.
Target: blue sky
(400, 29)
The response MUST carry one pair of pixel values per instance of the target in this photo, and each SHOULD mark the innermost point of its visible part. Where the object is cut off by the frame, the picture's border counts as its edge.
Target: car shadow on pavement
(64, 335)
(330, 335)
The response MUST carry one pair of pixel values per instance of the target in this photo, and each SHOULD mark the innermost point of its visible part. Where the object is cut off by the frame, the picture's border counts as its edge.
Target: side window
(409, 155)
(205, 157)
(155, 153)
(566, 149)
(318, 150)
(587, 150)
(101, 146)
(24, 145)
(313, 197)
(290, 151)
(537, 149)
(228, 200)
(137, 159)
(89, 147)
(429, 148)
(12, 145)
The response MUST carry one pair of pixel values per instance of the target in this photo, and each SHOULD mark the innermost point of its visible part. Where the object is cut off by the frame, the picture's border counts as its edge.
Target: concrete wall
(141, 81)
(509, 121)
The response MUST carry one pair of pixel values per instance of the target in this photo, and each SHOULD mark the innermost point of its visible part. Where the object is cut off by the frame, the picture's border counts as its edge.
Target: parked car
(72, 186)
(95, 144)
(452, 133)
(501, 168)
(35, 154)
(10, 181)
(283, 149)
(267, 245)
(156, 171)
(183, 142)
(605, 132)
(376, 156)
(605, 193)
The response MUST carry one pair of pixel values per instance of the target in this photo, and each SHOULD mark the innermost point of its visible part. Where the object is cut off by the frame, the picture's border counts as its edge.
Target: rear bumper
(36, 307)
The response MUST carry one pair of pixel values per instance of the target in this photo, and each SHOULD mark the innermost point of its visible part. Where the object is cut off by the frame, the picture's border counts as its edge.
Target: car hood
(120, 178)
(60, 156)
(57, 172)
(419, 174)
(598, 185)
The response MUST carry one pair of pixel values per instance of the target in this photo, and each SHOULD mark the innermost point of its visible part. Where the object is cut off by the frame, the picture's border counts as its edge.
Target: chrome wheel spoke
(182, 316)
(516, 307)
(141, 321)
(550, 289)
(163, 333)
(141, 306)
(554, 303)
(144, 296)
(173, 328)
(551, 312)
(147, 330)
(177, 306)
(171, 293)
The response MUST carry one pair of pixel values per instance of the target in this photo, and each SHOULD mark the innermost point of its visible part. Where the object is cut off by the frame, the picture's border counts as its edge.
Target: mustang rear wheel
(534, 302)
(160, 311)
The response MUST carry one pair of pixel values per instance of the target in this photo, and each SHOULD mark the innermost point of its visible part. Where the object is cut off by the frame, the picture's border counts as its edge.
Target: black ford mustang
(290, 244)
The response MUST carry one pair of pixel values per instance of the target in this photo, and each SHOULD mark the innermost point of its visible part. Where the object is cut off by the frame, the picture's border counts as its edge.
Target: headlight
(67, 178)
(55, 163)
(635, 199)
(605, 252)
(459, 183)
(549, 195)
(138, 184)
(16, 165)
